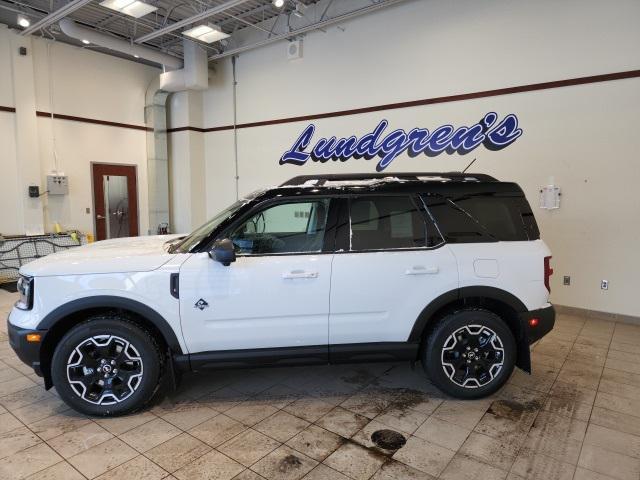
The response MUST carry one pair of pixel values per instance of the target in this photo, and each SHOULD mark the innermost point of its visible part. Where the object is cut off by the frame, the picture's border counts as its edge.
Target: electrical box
(57, 184)
(294, 50)
(550, 197)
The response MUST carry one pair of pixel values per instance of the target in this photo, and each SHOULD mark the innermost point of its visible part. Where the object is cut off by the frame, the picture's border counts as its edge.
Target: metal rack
(18, 251)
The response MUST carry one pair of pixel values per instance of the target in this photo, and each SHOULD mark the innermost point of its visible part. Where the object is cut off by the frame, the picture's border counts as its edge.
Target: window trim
(412, 198)
(329, 233)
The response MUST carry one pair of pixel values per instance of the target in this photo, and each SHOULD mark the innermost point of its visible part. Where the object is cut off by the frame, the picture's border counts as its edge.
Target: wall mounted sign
(490, 132)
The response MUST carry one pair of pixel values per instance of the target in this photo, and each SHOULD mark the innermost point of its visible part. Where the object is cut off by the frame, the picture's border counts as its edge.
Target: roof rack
(320, 180)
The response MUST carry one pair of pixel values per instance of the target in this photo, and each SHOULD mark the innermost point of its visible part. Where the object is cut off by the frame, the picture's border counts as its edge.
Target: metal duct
(73, 30)
(194, 75)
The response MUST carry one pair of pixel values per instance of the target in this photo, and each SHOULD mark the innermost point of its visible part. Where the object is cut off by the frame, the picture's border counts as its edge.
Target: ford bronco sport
(446, 268)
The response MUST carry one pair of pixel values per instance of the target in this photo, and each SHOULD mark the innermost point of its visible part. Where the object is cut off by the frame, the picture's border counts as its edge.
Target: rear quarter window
(483, 218)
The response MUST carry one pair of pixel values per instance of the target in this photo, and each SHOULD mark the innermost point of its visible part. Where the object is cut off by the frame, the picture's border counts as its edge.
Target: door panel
(115, 201)
(377, 296)
(256, 302)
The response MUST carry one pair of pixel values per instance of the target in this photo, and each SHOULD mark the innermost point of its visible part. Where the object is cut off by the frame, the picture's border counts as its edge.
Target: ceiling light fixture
(85, 41)
(278, 3)
(206, 33)
(23, 21)
(133, 8)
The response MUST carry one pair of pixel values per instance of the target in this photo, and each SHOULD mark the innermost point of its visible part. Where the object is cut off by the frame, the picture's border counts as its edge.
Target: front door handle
(100, 217)
(299, 274)
(422, 270)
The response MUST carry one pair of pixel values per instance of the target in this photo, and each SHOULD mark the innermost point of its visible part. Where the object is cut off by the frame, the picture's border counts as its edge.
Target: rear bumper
(28, 352)
(546, 319)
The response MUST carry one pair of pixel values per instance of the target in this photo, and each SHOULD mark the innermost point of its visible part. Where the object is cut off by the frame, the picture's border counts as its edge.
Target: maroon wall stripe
(93, 121)
(7, 109)
(431, 101)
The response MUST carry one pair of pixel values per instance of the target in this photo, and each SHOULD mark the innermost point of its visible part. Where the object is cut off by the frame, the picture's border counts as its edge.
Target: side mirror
(223, 252)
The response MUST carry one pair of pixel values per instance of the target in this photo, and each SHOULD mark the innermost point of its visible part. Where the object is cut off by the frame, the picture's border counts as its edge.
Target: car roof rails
(345, 178)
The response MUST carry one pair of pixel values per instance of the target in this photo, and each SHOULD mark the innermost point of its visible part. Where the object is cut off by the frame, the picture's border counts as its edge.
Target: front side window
(381, 223)
(296, 227)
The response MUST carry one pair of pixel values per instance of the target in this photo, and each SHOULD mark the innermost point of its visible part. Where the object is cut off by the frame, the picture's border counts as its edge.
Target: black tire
(102, 342)
(469, 365)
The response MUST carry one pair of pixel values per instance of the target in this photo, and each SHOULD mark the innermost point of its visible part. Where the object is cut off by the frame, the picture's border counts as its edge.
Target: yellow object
(33, 337)
(57, 228)
(74, 236)
(90, 238)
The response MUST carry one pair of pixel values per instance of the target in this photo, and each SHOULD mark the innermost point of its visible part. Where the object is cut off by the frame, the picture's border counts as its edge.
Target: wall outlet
(604, 284)
(566, 280)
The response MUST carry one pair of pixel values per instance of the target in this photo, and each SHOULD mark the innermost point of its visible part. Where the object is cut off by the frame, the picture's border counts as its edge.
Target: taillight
(548, 271)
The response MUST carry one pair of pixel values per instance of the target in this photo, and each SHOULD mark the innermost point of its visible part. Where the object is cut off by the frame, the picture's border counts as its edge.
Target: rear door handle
(422, 270)
(299, 274)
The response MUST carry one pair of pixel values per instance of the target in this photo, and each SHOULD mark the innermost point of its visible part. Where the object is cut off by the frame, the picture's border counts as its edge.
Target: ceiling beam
(314, 26)
(187, 21)
(55, 16)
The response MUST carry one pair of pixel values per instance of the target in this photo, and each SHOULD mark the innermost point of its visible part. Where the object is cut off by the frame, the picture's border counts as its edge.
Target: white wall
(86, 84)
(583, 136)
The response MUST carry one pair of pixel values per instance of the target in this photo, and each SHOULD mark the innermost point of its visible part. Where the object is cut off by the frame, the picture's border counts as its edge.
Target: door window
(296, 227)
(381, 223)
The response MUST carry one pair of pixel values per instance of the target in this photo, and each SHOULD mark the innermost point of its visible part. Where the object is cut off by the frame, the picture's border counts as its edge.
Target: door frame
(121, 169)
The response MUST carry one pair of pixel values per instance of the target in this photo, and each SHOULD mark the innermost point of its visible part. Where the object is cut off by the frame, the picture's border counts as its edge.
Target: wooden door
(115, 201)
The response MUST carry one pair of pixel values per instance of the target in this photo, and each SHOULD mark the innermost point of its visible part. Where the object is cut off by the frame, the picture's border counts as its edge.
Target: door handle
(100, 217)
(299, 274)
(422, 270)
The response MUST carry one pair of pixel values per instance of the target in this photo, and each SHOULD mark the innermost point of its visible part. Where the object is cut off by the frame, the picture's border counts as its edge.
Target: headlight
(25, 289)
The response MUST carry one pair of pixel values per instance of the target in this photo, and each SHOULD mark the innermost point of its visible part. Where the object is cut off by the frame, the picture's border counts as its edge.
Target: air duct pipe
(73, 30)
(194, 75)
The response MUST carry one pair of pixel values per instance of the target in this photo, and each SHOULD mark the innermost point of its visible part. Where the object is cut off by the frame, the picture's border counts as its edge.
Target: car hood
(120, 255)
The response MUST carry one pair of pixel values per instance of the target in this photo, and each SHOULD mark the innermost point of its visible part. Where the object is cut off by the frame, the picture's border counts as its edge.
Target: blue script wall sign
(493, 134)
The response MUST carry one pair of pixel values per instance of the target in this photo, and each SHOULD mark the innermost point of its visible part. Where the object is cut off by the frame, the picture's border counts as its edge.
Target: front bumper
(546, 319)
(28, 352)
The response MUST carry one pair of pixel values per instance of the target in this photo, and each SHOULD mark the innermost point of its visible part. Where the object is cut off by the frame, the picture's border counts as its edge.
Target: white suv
(445, 268)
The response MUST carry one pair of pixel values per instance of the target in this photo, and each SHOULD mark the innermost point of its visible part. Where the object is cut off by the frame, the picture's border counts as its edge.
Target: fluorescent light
(278, 3)
(85, 41)
(23, 21)
(206, 33)
(133, 8)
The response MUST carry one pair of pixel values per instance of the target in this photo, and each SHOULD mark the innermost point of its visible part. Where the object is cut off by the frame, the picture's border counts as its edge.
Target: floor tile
(17, 440)
(617, 404)
(424, 456)
(492, 451)
(281, 426)
(533, 466)
(150, 434)
(140, 468)
(17, 466)
(211, 466)
(609, 463)
(8, 422)
(217, 430)
(464, 468)
(186, 415)
(442, 433)
(355, 461)
(316, 442)
(177, 452)
(309, 408)
(59, 471)
(613, 440)
(403, 419)
(615, 420)
(55, 425)
(102, 458)
(248, 447)
(250, 414)
(322, 472)
(120, 425)
(76, 441)
(343, 422)
(284, 463)
(394, 470)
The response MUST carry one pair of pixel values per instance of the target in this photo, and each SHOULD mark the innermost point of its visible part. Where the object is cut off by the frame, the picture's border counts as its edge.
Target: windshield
(191, 240)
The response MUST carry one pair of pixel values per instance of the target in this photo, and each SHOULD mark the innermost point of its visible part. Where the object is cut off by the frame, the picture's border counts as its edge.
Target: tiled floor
(577, 416)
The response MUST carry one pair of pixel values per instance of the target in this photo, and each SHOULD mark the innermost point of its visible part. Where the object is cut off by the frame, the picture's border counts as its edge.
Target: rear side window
(381, 223)
(483, 218)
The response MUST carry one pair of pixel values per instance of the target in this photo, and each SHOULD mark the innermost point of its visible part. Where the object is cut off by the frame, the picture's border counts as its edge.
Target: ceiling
(249, 14)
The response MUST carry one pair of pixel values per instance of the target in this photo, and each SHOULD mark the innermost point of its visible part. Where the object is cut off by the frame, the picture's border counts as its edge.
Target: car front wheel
(107, 366)
(469, 353)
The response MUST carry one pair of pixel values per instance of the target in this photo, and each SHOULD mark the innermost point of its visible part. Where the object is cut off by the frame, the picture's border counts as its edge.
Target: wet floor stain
(388, 439)
(513, 410)
(290, 462)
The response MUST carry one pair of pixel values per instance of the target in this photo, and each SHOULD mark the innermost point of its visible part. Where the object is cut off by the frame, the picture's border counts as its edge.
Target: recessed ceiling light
(23, 21)
(136, 56)
(206, 33)
(278, 3)
(133, 8)
(85, 41)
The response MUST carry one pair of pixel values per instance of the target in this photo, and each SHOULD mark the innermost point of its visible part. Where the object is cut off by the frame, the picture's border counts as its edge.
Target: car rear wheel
(469, 353)
(107, 366)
